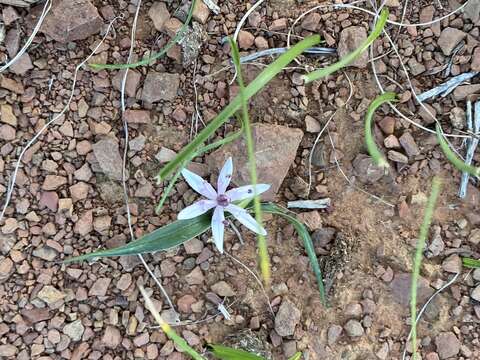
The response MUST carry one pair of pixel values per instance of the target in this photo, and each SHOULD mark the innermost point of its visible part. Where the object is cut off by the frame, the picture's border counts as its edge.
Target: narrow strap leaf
(227, 353)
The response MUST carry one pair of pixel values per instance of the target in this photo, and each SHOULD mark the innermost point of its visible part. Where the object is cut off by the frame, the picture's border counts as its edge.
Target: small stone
(45, 253)
(201, 12)
(7, 116)
(312, 125)
(366, 170)
(185, 303)
(449, 39)
(152, 92)
(66, 23)
(476, 59)
(324, 236)
(7, 132)
(112, 337)
(401, 285)
(74, 330)
(99, 287)
(382, 353)
(461, 92)
(6, 269)
(8, 351)
(108, 156)
(353, 310)
(223, 289)
(165, 155)
(79, 191)
(447, 344)
(22, 65)
(141, 339)
(397, 157)
(279, 24)
(50, 295)
(131, 84)
(475, 295)
(409, 144)
(193, 246)
(350, 40)
(261, 43)
(452, 264)
(457, 117)
(311, 21)
(416, 67)
(245, 40)
(191, 338)
(53, 182)
(474, 237)
(312, 219)
(391, 142)
(10, 225)
(172, 26)
(124, 282)
(195, 277)
(387, 124)
(83, 173)
(354, 328)
(427, 116)
(137, 116)
(159, 14)
(84, 225)
(10, 15)
(333, 334)
(35, 315)
(287, 318)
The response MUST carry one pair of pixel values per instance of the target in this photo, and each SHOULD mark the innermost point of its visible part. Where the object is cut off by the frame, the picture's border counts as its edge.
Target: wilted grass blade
(372, 148)
(427, 220)
(315, 75)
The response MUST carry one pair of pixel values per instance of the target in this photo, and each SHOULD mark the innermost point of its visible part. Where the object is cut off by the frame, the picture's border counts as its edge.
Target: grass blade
(262, 243)
(454, 159)
(147, 60)
(255, 86)
(315, 75)
(427, 220)
(307, 243)
(297, 356)
(372, 148)
(471, 263)
(180, 342)
(227, 353)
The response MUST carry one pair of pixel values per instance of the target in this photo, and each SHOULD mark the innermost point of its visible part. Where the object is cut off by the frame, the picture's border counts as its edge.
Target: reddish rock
(137, 116)
(131, 84)
(185, 303)
(49, 199)
(201, 12)
(7, 132)
(245, 40)
(159, 14)
(111, 337)
(279, 24)
(160, 86)
(350, 40)
(84, 225)
(53, 182)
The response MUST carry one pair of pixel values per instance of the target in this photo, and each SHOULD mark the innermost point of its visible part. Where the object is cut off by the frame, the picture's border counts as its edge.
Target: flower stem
(262, 243)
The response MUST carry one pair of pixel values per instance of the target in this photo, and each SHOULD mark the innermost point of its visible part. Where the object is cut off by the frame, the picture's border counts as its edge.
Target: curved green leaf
(297, 356)
(353, 55)
(471, 263)
(372, 148)
(227, 353)
(454, 159)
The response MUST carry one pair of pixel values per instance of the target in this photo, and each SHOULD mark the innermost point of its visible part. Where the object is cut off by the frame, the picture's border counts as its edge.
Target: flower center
(223, 200)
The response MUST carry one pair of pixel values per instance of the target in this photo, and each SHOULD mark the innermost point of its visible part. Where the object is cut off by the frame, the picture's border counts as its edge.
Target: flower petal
(247, 191)
(245, 218)
(201, 186)
(225, 176)
(218, 227)
(196, 209)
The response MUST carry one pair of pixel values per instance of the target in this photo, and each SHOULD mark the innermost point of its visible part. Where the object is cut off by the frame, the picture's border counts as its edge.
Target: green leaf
(454, 159)
(227, 353)
(376, 155)
(307, 243)
(164, 238)
(255, 86)
(147, 60)
(471, 263)
(297, 356)
(315, 75)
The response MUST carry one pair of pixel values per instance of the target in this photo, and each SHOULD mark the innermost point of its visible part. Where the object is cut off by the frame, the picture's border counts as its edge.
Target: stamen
(223, 200)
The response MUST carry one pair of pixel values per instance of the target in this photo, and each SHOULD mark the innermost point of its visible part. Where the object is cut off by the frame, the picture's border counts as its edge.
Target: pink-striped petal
(225, 176)
(201, 186)
(196, 209)
(218, 227)
(245, 218)
(247, 191)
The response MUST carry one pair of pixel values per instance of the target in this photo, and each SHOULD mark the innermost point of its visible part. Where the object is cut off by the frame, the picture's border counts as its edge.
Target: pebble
(452, 264)
(108, 156)
(245, 40)
(447, 344)
(74, 330)
(312, 219)
(50, 295)
(136, 116)
(8, 351)
(124, 282)
(354, 328)
(350, 40)
(152, 93)
(287, 318)
(366, 170)
(45, 253)
(194, 246)
(222, 289)
(333, 334)
(159, 14)
(475, 295)
(84, 224)
(409, 144)
(7, 132)
(474, 237)
(99, 287)
(457, 117)
(65, 23)
(387, 124)
(201, 12)
(185, 303)
(7, 116)
(112, 337)
(397, 157)
(312, 125)
(195, 277)
(53, 182)
(400, 287)
(22, 65)
(322, 237)
(6, 269)
(391, 142)
(449, 39)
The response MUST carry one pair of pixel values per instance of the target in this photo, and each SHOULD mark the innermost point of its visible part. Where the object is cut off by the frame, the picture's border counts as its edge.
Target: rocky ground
(68, 198)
